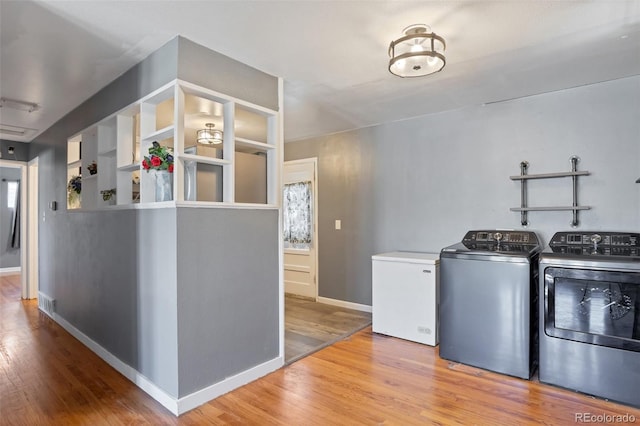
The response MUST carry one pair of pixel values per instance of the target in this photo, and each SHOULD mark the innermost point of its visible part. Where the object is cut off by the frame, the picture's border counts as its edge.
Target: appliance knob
(595, 239)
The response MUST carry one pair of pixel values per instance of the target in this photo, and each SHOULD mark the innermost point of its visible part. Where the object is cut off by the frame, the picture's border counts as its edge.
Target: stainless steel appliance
(488, 301)
(590, 314)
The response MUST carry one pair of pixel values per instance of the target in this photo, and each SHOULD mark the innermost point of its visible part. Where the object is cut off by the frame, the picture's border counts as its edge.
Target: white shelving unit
(248, 157)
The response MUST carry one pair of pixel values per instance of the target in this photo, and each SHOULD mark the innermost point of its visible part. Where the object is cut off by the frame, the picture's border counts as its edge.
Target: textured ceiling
(332, 55)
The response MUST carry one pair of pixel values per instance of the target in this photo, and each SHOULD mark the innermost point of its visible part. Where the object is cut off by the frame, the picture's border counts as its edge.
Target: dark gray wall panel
(206, 68)
(9, 257)
(114, 281)
(421, 183)
(227, 293)
(157, 298)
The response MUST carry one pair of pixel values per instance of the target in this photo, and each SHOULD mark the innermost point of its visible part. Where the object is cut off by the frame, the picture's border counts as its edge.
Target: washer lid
(476, 249)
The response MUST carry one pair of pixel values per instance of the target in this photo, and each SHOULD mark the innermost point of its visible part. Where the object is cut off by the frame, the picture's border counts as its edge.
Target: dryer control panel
(596, 243)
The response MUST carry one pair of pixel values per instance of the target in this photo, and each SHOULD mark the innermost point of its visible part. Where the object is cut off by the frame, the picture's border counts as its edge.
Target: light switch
(338, 224)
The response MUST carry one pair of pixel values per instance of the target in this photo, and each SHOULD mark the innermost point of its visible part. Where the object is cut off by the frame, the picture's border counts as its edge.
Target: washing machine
(590, 314)
(488, 301)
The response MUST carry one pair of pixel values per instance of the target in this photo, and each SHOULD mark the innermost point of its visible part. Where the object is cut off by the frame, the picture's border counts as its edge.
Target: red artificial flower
(170, 168)
(145, 164)
(156, 161)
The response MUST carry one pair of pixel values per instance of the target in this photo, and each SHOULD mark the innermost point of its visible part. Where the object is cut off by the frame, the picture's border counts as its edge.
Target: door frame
(316, 210)
(32, 283)
(22, 166)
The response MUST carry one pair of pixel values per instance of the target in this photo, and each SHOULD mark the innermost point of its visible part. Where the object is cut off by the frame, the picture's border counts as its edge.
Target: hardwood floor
(49, 378)
(310, 326)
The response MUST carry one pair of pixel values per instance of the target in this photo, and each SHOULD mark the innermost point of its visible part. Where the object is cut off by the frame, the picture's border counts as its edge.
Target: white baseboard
(205, 395)
(175, 405)
(168, 401)
(343, 304)
(11, 271)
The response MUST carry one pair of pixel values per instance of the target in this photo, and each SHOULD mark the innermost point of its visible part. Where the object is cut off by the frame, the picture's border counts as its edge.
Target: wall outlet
(338, 224)
(424, 330)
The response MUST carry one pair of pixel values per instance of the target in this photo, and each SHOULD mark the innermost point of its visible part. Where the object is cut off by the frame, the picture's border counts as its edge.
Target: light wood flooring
(310, 326)
(49, 378)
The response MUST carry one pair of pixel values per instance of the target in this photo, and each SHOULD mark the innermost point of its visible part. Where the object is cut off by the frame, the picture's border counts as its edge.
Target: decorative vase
(164, 185)
(74, 200)
(190, 181)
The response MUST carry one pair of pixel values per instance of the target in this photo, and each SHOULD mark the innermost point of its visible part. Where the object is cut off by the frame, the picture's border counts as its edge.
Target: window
(297, 215)
(12, 194)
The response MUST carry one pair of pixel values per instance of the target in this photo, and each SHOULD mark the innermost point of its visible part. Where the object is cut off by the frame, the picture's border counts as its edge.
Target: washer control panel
(501, 236)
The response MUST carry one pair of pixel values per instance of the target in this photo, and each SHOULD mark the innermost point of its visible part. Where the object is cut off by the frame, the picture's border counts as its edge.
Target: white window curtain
(298, 209)
(13, 203)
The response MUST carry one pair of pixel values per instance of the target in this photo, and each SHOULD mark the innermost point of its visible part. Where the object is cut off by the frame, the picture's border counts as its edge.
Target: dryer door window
(598, 307)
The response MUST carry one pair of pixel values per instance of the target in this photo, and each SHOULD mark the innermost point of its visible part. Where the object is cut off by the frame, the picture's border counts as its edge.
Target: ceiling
(332, 55)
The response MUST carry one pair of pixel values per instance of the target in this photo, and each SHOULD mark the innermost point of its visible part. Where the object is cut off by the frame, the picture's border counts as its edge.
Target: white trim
(343, 304)
(169, 402)
(194, 89)
(316, 219)
(10, 271)
(32, 265)
(223, 205)
(277, 198)
(173, 204)
(205, 395)
(177, 406)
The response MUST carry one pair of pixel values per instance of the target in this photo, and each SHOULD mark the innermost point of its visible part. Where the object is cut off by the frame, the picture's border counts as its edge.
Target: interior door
(300, 228)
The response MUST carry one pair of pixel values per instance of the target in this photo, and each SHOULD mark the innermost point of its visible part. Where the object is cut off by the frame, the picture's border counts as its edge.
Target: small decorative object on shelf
(74, 188)
(109, 195)
(93, 168)
(160, 159)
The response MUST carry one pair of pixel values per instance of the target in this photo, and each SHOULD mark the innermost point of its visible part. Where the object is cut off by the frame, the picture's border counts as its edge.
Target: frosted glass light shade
(417, 53)
(209, 136)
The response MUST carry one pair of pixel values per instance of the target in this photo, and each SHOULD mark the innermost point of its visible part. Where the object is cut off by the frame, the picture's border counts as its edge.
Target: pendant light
(209, 136)
(417, 53)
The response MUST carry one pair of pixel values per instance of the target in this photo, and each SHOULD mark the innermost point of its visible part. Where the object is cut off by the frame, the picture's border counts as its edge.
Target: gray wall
(420, 184)
(9, 257)
(251, 178)
(114, 273)
(114, 279)
(215, 71)
(227, 293)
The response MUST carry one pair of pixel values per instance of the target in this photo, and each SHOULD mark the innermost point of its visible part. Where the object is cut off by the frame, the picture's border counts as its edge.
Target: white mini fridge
(406, 295)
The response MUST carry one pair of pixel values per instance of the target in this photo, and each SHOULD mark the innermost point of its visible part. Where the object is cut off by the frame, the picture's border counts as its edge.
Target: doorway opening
(309, 325)
(19, 217)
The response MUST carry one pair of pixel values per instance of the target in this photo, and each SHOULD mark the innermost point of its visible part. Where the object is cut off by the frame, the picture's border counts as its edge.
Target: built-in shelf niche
(242, 169)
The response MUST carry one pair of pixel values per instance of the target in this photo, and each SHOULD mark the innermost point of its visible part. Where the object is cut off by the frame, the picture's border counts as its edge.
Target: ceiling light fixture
(417, 53)
(18, 105)
(209, 136)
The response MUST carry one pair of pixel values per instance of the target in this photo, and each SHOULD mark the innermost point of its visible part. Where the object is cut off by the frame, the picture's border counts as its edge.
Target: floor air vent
(46, 304)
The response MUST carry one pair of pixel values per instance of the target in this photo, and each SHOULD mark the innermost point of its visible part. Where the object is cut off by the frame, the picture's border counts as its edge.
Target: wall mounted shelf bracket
(523, 177)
